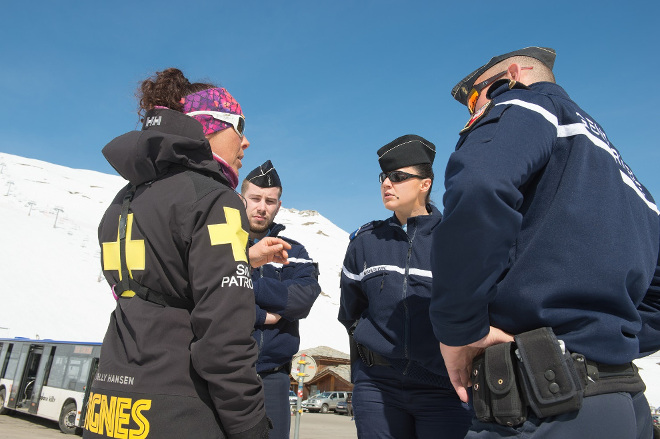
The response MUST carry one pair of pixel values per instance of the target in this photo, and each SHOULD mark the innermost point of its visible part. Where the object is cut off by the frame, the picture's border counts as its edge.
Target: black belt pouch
(550, 381)
(480, 393)
(495, 393)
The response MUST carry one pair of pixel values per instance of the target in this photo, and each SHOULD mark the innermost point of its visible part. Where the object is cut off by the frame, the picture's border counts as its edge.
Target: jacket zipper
(406, 331)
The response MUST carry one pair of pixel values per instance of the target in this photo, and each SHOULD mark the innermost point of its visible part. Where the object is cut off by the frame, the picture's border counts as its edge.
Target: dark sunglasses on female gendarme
(396, 176)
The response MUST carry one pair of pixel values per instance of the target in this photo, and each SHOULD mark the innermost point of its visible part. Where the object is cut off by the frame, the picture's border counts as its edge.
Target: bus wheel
(3, 410)
(68, 419)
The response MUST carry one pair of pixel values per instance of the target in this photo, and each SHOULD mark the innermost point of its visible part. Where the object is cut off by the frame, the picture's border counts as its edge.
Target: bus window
(11, 362)
(56, 376)
(72, 373)
(68, 370)
(5, 363)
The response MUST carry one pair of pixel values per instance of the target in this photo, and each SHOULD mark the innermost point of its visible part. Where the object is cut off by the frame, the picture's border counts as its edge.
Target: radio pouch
(550, 381)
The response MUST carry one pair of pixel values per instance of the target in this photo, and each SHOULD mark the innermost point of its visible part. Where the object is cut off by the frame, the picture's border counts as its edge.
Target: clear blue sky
(323, 84)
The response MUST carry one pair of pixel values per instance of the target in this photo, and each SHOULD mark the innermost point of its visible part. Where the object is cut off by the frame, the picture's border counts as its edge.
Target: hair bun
(166, 88)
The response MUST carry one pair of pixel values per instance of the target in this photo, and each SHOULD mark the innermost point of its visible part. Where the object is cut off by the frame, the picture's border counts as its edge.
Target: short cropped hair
(539, 73)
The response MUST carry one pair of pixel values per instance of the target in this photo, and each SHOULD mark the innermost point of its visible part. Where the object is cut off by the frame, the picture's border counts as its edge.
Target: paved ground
(312, 426)
(320, 426)
(22, 426)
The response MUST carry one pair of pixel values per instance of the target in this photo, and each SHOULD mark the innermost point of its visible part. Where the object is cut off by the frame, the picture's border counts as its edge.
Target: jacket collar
(548, 88)
(275, 229)
(424, 223)
(169, 139)
(169, 121)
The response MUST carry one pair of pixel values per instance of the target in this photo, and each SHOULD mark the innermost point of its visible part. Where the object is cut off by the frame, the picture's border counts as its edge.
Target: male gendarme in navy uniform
(284, 294)
(545, 226)
(401, 385)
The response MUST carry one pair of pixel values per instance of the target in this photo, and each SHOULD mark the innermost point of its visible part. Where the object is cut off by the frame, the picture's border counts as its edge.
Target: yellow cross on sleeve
(231, 232)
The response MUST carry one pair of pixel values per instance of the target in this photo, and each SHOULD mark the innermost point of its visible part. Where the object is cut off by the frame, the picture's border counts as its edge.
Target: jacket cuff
(259, 431)
(260, 316)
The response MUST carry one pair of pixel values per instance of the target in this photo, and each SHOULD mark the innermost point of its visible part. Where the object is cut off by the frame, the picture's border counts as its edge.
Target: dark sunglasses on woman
(396, 176)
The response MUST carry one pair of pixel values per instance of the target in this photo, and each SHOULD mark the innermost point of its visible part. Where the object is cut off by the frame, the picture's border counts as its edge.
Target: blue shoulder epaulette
(368, 226)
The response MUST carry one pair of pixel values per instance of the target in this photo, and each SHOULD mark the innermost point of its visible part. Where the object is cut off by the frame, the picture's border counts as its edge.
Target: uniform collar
(423, 222)
(504, 85)
(273, 231)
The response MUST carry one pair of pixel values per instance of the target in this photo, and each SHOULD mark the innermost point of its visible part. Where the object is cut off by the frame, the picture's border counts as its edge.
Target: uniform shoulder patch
(365, 228)
(478, 115)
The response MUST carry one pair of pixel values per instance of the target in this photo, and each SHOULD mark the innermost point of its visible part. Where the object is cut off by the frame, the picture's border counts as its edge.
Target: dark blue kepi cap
(405, 151)
(264, 176)
(544, 54)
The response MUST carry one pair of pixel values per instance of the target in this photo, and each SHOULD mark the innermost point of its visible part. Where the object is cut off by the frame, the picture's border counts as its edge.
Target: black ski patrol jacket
(168, 372)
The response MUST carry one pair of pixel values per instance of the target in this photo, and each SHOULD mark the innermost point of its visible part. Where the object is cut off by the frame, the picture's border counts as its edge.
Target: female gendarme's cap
(264, 176)
(544, 54)
(405, 151)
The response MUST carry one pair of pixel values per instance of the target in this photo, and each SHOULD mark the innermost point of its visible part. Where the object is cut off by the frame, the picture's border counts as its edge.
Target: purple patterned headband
(212, 99)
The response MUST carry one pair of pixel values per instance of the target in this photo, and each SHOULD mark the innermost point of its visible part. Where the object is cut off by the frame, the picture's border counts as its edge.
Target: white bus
(48, 378)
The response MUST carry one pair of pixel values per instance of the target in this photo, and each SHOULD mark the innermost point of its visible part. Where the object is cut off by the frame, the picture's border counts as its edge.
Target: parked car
(293, 398)
(324, 402)
(656, 419)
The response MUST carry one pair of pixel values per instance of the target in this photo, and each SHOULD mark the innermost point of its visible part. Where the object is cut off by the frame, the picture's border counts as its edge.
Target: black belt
(608, 378)
(371, 358)
(275, 369)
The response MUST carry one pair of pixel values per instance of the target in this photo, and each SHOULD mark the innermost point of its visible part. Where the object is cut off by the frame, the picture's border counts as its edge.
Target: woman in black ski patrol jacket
(178, 360)
(401, 385)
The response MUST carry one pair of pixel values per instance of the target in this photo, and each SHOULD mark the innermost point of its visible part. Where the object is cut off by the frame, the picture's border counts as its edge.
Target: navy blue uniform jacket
(546, 225)
(288, 290)
(386, 288)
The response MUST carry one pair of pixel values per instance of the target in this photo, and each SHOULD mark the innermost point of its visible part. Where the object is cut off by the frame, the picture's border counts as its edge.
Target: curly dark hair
(165, 89)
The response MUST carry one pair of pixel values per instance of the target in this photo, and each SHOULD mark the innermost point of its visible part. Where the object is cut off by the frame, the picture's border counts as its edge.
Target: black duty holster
(358, 351)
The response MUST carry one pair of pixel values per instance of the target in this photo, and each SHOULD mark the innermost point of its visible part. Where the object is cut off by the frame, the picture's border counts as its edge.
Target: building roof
(343, 372)
(324, 351)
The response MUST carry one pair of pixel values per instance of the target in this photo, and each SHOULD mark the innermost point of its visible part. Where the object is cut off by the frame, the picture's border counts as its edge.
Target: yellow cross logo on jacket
(135, 256)
(231, 233)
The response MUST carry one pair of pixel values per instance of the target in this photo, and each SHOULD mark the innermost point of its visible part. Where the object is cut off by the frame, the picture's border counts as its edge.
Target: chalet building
(333, 371)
